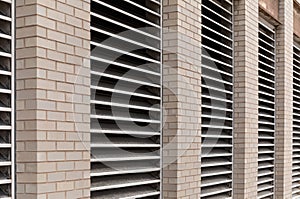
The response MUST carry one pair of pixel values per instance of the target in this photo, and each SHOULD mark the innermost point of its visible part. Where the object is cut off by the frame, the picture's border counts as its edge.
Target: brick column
(245, 99)
(182, 98)
(52, 99)
(284, 98)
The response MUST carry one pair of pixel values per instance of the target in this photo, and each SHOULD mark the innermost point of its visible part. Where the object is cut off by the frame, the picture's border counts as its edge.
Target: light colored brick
(46, 138)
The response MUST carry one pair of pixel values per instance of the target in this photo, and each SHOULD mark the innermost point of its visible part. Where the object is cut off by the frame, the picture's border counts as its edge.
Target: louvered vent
(6, 99)
(126, 98)
(266, 111)
(217, 99)
(296, 122)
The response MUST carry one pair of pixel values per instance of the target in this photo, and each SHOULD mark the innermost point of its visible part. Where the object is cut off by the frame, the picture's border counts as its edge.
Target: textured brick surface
(182, 99)
(284, 98)
(53, 99)
(245, 99)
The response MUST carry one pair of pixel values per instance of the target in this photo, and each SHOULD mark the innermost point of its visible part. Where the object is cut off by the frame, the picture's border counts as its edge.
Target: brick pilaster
(284, 98)
(52, 99)
(245, 99)
(182, 98)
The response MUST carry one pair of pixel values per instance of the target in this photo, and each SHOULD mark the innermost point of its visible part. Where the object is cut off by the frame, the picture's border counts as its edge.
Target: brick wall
(245, 99)
(52, 99)
(284, 98)
(182, 98)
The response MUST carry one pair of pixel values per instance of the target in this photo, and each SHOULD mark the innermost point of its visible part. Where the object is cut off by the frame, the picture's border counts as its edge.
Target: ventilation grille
(126, 98)
(266, 111)
(6, 99)
(296, 123)
(217, 99)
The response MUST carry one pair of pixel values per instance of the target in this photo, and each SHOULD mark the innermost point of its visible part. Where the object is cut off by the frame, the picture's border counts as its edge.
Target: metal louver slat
(126, 99)
(266, 112)
(217, 99)
(7, 117)
(296, 122)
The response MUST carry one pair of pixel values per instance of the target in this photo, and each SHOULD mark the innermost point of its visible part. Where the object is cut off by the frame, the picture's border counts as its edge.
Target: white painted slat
(115, 186)
(109, 140)
(216, 163)
(296, 114)
(7, 107)
(124, 65)
(126, 13)
(123, 25)
(266, 114)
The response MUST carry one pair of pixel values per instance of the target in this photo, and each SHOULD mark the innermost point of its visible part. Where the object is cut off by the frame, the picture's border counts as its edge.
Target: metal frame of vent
(7, 96)
(217, 99)
(296, 121)
(266, 115)
(126, 115)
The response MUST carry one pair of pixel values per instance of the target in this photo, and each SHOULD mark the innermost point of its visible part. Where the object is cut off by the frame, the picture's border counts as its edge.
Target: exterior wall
(245, 99)
(297, 18)
(284, 98)
(182, 99)
(52, 99)
(270, 6)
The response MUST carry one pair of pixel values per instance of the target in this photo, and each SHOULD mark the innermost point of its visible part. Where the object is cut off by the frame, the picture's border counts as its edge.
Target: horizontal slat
(216, 13)
(105, 117)
(122, 92)
(96, 173)
(267, 58)
(128, 193)
(216, 163)
(121, 37)
(5, 18)
(125, 79)
(215, 191)
(142, 182)
(265, 35)
(217, 51)
(124, 145)
(116, 159)
(4, 36)
(4, 54)
(127, 132)
(215, 32)
(126, 13)
(217, 172)
(124, 105)
(125, 26)
(217, 23)
(221, 7)
(124, 65)
(7, 1)
(144, 8)
(124, 52)
(216, 60)
(214, 182)
(265, 194)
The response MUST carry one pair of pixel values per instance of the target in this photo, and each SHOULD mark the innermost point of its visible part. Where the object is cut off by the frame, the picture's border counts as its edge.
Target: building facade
(150, 99)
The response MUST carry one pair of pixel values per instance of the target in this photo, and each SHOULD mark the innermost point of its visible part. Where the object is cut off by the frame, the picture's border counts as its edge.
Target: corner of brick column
(245, 99)
(284, 99)
(181, 99)
(52, 99)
